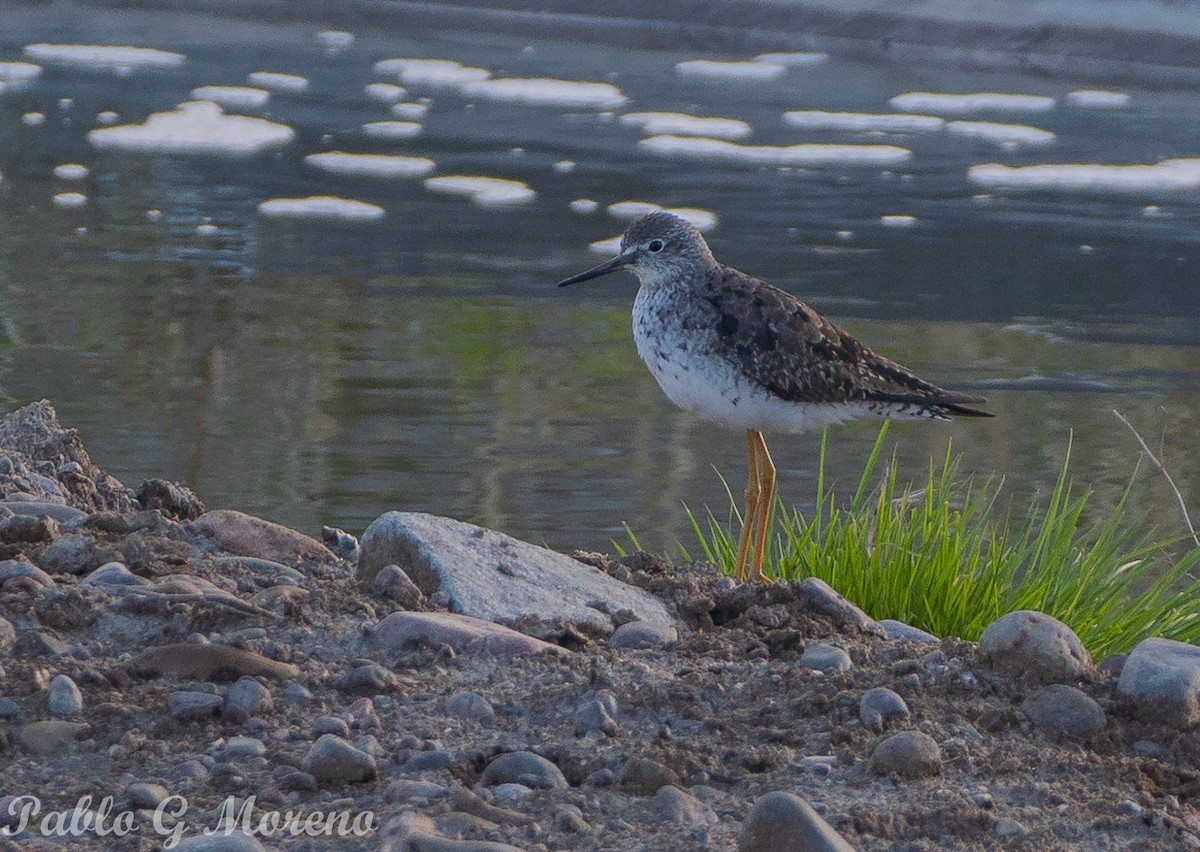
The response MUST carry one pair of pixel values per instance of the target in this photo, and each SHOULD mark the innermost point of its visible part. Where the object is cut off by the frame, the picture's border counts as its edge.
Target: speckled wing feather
(793, 352)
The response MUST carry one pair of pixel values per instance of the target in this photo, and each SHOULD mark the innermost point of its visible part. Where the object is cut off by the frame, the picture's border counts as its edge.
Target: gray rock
(219, 841)
(171, 498)
(63, 696)
(51, 735)
(330, 725)
(470, 705)
(13, 568)
(510, 792)
(498, 578)
(394, 584)
(782, 822)
(592, 714)
(149, 796)
(368, 679)
(341, 543)
(523, 767)
(880, 708)
(1160, 682)
(236, 747)
(431, 761)
(71, 554)
(59, 512)
(826, 658)
(1035, 646)
(1112, 665)
(114, 574)
(643, 634)
(239, 534)
(331, 758)
(907, 754)
(899, 630)
(670, 804)
(193, 705)
(1065, 711)
(643, 776)
(430, 843)
(247, 698)
(27, 529)
(820, 597)
(8, 636)
(463, 633)
(277, 571)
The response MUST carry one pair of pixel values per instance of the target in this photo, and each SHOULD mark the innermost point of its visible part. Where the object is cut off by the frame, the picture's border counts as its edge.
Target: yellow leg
(752, 499)
(766, 497)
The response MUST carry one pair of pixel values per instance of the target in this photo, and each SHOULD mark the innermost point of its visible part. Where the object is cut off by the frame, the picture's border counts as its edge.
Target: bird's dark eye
(655, 246)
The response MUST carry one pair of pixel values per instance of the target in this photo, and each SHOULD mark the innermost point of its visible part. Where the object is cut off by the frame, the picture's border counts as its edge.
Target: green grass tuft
(949, 558)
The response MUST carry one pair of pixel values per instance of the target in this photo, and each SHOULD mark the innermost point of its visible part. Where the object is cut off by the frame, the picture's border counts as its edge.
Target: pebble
(331, 758)
(907, 754)
(298, 693)
(464, 634)
(396, 586)
(592, 715)
(28, 529)
(193, 705)
(899, 630)
(330, 725)
(671, 804)
(143, 795)
(510, 792)
(471, 706)
(826, 658)
(783, 822)
(1009, 828)
(435, 760)
(569, 819)
(63, 696)
(881, 708)
(236, 747)
(523, 767)
(114, 574)
(368, 679)
(245, 699)
(1064, 710)
(220, 842)
(643, 776)
(8, 636)
(820, 597)
(1160, 682)
(71, 554)
(1035, 646)
(51, 735)
(638, 635)
(16, 569)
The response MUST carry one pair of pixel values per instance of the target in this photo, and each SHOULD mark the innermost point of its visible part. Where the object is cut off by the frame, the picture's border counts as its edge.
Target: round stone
(881, 708)
(1064, 711)
(826, 658)
(524, 767)
(907, 754)
(1035, 646)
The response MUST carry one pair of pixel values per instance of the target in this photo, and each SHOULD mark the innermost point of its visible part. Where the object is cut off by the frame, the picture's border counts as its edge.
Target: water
(320, 373)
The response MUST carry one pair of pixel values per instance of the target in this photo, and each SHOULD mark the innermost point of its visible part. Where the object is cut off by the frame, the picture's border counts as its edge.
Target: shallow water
(325, 372)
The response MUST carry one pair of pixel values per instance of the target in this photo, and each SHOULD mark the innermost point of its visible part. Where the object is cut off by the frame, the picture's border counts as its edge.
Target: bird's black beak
(623, 259)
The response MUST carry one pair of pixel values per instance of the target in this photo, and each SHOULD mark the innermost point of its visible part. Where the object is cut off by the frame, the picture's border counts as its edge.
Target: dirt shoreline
(155, 651)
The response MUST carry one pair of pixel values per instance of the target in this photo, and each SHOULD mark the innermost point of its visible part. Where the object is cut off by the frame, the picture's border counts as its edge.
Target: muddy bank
(158, 652)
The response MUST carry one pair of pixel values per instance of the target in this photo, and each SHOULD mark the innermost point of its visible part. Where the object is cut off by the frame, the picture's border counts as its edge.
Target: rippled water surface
(325, 372)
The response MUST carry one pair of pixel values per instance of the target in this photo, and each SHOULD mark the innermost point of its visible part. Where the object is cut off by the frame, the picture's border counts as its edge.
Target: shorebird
(743, 354)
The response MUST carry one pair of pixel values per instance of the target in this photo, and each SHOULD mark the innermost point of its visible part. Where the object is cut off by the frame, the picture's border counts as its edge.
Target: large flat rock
(495, 577)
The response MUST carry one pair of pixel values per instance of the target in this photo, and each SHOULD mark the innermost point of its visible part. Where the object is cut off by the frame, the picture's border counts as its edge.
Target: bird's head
(656, 246)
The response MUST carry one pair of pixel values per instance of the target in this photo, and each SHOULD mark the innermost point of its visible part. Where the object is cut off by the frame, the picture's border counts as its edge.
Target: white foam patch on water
(70, 171)
(195, 127)
(104, 57)
(683, 124)
(539, 91)
(610, 246)
(794, 60)
(702, 220)
(277, 82)
(714, 70)
(431, 72)
(33, 119)
(69, 199)
(564, 167)
(335, 41)
(584, 206)
(321, 207)
(18, 74)
(374, 165)
(107, 117)
(1099, 99)
(233, 97)
(814, 119)
(485, 191)
(790, 155)
(207, 229)
(409, 110)
(1014, 134)
(1165, 176)
(949, 104)
(897, 220)
(631, 209)
(391, 129)
(386, 92)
